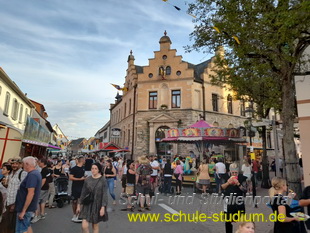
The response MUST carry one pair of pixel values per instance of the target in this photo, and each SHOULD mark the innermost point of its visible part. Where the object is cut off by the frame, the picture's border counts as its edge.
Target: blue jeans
(23, 225)
(167, 184)
(110, 182)
(219, 181)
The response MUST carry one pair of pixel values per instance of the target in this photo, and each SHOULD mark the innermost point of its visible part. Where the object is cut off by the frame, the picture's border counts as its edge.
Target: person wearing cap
(15, 178)
(233, 188)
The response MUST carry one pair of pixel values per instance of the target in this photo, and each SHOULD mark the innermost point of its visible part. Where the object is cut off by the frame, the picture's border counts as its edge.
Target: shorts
(124, 180)
(43, 196)
(23, 225)
(153, 179)
(144, 189)
(76, 193)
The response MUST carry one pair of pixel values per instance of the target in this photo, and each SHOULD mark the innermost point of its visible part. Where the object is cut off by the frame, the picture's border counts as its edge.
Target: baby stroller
(61, 196)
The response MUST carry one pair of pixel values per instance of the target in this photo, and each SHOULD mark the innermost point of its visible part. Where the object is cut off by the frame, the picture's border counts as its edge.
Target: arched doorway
(162, 148)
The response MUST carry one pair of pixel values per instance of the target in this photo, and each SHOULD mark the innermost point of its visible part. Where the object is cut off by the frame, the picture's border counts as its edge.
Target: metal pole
(276, 151)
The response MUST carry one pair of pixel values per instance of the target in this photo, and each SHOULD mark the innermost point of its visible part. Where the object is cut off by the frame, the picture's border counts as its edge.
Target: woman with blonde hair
(280, 205)
(204, 177)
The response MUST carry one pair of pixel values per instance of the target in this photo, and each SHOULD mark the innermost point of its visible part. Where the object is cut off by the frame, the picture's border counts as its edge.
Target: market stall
(204, 136)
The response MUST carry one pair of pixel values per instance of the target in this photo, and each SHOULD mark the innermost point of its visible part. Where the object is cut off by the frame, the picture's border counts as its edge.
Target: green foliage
(272, 34)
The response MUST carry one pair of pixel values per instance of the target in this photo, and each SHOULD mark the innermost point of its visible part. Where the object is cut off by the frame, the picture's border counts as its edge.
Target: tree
(264, 42)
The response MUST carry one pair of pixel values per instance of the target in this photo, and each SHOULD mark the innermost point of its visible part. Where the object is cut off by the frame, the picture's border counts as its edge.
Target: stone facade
(169, 93)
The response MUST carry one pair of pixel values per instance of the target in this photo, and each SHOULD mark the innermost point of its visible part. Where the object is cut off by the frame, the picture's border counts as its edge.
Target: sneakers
(42, 216)
(35, 219)
(76, 219)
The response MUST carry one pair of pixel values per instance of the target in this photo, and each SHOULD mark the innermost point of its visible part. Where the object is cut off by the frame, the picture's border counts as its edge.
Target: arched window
(215, 124)
(26, 114)
(15, 109)
(20, 119)
(7, 104)
(162, 148)
(229, 104)
(168, 70)
(160, 132)
(230, 126)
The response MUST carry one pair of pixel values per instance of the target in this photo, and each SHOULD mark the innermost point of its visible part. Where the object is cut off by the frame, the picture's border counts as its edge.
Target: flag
(217, 29)
(236, 39)
(116, 86)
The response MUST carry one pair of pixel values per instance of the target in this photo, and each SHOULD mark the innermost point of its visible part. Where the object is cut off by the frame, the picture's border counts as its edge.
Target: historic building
(169, 93)
(15, 108)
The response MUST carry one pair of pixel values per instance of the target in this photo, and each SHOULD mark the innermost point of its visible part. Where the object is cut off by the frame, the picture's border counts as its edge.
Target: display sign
(115, 133)
(34, 132)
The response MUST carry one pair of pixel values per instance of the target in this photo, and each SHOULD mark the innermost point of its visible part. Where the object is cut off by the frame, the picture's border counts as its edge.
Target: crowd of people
(29, 186)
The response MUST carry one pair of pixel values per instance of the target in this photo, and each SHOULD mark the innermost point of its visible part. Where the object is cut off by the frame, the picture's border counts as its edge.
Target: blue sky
(65, 54)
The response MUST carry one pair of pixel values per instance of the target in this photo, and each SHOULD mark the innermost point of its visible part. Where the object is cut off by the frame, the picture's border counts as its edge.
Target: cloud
(78, 119)
(65, 54)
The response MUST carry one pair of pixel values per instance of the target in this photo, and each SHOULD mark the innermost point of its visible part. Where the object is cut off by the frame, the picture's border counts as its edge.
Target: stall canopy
(121, 150)
(203, 135)
(107, 146)
(202, 131)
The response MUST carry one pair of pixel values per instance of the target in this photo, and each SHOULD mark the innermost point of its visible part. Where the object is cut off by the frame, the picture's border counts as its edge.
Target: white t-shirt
(220, 168)
(154, 164)
(246, 170)
(125, 170)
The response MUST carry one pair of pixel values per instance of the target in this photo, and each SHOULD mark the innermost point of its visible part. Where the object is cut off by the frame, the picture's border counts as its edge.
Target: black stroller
(61, 196)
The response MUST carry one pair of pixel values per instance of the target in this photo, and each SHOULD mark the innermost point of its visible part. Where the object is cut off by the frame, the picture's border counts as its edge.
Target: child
(246, 227)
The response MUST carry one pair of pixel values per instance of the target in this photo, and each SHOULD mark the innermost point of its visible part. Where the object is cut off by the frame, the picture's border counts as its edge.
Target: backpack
(144, 171)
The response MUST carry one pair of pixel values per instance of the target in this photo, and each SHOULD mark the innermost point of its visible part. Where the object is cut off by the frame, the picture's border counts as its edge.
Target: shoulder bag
(89, 198)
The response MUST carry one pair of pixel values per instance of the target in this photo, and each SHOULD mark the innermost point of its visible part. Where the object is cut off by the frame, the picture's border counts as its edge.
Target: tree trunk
(266, 180)
(290, 157)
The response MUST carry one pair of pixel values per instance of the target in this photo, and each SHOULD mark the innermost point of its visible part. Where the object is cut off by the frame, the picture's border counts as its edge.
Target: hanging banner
(191, 132)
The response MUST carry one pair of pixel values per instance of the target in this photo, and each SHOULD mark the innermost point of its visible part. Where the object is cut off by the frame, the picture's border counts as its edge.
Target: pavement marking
(168, 208)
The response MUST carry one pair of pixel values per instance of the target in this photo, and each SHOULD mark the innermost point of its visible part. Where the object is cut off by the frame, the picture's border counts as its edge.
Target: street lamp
(249, 115)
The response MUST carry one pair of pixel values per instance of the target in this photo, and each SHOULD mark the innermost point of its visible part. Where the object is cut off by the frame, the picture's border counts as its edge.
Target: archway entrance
(162, 148)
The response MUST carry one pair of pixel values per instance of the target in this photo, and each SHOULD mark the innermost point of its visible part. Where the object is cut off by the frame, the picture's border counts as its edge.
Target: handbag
(89, 198)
